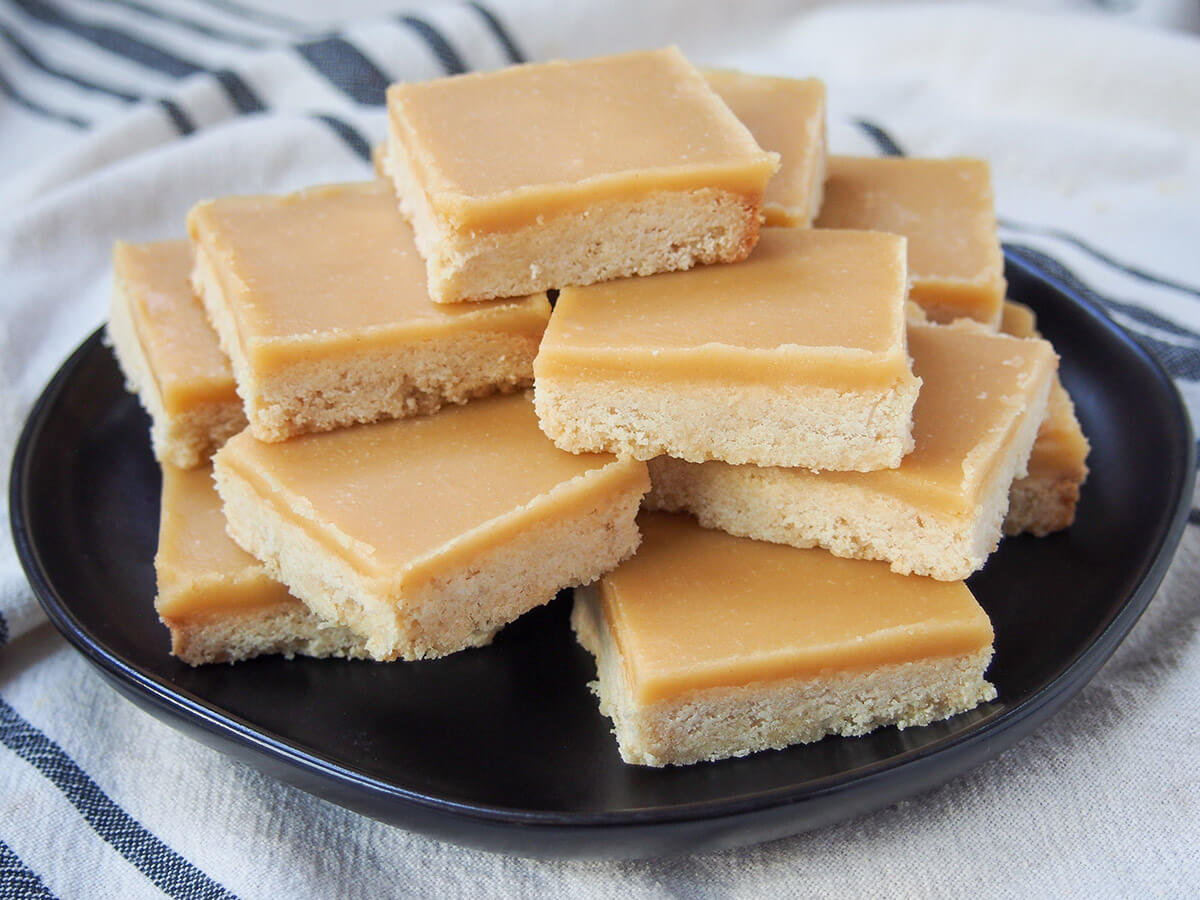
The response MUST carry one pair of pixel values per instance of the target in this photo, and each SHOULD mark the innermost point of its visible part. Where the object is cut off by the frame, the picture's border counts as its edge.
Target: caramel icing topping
(180, 347)
(786, 116)
(1061, 449)
(498, 149)
(696, 609)
(946, 210)
(975, 388)
(200, 569)
(826, 307)
(333, 268)
(405, 498)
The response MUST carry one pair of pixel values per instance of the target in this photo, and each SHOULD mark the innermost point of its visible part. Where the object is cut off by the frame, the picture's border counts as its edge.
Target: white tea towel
(117, 115)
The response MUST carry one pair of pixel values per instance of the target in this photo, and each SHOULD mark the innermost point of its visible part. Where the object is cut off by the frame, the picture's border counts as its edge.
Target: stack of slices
(618, 325)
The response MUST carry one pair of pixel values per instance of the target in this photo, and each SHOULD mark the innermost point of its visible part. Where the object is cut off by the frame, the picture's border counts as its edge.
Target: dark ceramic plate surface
(504, 747)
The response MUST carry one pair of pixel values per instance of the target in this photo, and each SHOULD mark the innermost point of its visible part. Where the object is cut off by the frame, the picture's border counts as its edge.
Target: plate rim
(964, 749)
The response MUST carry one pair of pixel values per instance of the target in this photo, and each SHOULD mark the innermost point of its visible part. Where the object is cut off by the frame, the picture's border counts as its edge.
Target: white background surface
(1092, 122)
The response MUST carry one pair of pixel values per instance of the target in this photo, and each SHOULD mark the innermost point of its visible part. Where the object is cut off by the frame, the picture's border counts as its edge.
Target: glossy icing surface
(518, 143)
(391, 496)
(697, 608)
(331, 264)
(181, 348)
(806, 302)
(786, 116)
(199, 568)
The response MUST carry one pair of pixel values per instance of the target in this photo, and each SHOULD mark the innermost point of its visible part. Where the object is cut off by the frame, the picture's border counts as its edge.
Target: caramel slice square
(169, 354)
(796, 357)
(563, 173)
(709, 646)
(218, 601)
(786, 116)
(1044, 500)
(429, 534)
(946, 209)
(940, 512)
(319, 299)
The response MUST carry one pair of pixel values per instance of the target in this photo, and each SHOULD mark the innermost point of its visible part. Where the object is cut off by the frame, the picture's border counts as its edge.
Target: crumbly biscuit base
(288, 629)
(1041, 505)
(765, 425)
(717, 723)
(370, 384)
(852, 521)
(192, 438)
(664, 231)
(393, 383)
(463, 608)
(184, 440)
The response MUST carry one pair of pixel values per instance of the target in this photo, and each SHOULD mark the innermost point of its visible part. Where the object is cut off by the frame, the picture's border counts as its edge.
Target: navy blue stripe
(1150, 319)
(17, 880)
(353, 138)
(169, 871)
(259, 16)
(3, 630)
(38, 62)
(9, 90)
(447, 55)
(183, 124)
(240, 94)
(113, 40)
(347, 69)
(1194, 517)
(884, 141)
(180, 119)
(184, 22)
(501, 33)
(1180, 362)
(1130, 270)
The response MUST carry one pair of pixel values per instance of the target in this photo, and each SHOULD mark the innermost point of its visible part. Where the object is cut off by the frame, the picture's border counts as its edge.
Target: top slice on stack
(566, 173)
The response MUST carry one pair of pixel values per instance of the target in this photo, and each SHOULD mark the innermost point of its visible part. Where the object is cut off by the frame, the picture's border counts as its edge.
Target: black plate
(504, 747)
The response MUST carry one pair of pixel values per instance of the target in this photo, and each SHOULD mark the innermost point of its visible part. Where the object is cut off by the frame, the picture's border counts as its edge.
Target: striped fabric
(117, 115)
(71, 67)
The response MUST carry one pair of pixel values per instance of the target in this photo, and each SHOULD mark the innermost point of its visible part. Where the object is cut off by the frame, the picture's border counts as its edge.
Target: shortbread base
(763, 425)
(367, 384)
(184, 440)
(462, 608)
(717, 723)
(1041, 505)
(394, 383)
(287, 629)
(662, 231)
